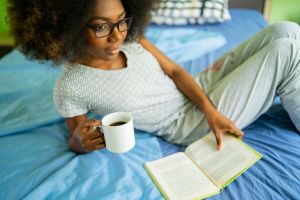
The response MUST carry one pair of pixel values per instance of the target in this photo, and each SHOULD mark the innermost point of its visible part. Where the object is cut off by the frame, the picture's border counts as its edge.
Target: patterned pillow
(181, 12)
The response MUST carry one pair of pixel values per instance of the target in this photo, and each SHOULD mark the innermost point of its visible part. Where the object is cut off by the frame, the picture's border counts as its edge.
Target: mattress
(36, 162)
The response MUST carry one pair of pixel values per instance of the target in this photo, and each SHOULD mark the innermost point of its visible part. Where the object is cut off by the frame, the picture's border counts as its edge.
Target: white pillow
(182, 12)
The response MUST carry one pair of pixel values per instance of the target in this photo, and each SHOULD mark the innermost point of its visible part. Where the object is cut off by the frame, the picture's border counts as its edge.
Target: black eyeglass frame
(112, 26)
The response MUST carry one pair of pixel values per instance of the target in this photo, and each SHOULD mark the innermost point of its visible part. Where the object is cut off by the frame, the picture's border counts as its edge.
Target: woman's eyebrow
(105, 18)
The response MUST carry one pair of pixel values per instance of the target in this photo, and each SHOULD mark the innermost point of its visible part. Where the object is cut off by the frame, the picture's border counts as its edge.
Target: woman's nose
(116, 35)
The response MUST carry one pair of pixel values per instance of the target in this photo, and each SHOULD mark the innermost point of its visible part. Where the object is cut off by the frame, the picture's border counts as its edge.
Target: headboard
(262, 6)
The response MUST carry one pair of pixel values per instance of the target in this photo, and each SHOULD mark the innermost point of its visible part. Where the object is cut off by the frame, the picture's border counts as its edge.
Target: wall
(285, 10)
(6, 42)
(3, 24)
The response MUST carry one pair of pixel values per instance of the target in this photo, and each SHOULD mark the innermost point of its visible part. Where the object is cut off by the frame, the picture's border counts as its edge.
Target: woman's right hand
(86, 137)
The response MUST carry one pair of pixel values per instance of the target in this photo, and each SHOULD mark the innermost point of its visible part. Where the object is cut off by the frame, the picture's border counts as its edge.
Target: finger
(87, 125)
(95, 125)
(86, 136)
(93, 135)
(219, 137)
(97, 141)
(237, 132)
(96, 147)
(99, 146)
(220, 140)
(95, 144)
(94, 129)
(91, 122)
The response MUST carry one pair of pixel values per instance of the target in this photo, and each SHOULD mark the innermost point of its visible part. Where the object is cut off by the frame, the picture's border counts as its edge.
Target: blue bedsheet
(183, 44)
(36, 163)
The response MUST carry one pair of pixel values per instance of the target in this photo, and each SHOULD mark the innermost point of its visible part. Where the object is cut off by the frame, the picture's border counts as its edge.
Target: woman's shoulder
(136, 52)
(132, 48)
(71, 76)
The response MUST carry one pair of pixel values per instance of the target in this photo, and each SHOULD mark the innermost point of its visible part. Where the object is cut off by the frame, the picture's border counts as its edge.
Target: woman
(110, 66)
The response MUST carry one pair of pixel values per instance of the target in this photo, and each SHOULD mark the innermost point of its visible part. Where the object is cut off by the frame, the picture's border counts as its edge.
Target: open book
(201, 171)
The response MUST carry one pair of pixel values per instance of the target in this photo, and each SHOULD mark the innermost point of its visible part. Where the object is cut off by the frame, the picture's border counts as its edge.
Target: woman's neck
(117, 63)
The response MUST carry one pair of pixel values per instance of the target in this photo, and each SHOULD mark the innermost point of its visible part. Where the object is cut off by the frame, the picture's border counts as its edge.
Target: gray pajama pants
(242, 84)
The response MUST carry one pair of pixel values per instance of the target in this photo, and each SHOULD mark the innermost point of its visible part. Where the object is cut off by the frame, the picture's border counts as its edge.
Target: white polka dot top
(142, 89)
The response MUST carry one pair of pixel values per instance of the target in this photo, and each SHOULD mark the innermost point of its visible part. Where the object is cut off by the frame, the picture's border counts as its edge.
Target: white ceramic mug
(118, 132)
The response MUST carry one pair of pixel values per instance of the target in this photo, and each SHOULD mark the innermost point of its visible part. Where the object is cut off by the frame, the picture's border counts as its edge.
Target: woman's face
(105, 48)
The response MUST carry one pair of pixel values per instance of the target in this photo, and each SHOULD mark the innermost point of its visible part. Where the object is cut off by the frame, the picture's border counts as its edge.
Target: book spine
(156, 182)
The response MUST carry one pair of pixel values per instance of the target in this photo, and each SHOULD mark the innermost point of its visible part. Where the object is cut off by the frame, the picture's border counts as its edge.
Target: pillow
(182, 12)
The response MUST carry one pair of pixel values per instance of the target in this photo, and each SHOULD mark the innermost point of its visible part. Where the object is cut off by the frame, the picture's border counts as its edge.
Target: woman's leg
(228, 62)
(248, 91)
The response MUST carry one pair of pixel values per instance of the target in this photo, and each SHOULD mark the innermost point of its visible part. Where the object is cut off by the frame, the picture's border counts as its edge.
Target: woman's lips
(113, 51)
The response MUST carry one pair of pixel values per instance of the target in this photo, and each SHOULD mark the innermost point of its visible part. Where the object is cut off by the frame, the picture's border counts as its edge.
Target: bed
(36, 162)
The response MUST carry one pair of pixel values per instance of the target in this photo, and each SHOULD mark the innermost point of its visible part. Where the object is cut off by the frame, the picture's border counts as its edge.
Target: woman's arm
(83, 138)
(182, 79)
(188, 86)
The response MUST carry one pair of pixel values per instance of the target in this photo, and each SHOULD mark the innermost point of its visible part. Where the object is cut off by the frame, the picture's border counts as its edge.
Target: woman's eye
(122, 21)
(100, 27)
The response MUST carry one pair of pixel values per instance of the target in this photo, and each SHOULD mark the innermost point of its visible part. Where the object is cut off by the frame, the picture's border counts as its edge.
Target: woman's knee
(285, 29)
(287, 52)
(285, 46)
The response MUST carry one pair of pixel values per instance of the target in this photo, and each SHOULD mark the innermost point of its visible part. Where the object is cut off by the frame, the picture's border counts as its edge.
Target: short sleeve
(67, 103)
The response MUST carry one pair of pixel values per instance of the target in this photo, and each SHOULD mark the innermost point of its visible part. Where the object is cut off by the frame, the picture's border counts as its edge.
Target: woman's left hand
(219, 124)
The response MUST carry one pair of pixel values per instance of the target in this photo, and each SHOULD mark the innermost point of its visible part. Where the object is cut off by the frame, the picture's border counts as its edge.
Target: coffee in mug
(117, 123)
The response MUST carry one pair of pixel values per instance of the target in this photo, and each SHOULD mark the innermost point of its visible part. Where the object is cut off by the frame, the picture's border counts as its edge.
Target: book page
(179, 178)
(223, 165)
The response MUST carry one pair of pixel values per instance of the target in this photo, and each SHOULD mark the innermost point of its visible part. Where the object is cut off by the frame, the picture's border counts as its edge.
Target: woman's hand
(86, 138)
(219, 124)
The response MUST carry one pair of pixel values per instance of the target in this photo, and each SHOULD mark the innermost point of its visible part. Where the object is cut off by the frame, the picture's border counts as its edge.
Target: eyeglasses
(105, 29)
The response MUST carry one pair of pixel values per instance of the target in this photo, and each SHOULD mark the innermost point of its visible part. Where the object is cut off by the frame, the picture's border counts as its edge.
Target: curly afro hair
(53, 30)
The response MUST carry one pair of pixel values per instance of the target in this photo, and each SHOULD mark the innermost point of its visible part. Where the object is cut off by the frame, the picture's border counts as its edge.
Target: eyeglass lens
(106, 29)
